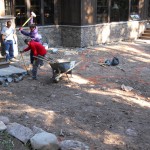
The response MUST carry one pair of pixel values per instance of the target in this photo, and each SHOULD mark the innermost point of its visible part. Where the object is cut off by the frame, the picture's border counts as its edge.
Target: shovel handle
(24, 62)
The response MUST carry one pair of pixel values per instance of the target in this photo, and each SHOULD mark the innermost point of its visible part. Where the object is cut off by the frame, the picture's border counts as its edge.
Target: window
(115, 11)
(20, 12)
(119, 10)
(102, 11)
(149, 9)
(44, 10)
(135, 6)
(48, 12)
(8, 6)
(35, 7)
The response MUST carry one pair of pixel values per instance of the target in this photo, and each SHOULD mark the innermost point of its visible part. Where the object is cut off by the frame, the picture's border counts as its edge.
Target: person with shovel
(38, 50)
(34, 35)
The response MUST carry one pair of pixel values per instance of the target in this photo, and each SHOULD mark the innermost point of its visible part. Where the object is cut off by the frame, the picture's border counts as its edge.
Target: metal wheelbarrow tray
(60, 68)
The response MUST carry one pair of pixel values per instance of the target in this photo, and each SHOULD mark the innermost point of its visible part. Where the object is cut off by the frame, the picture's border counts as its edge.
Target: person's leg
(11, 50)
(35, 68)
(31, 57)
(41, 62)
(6, 47)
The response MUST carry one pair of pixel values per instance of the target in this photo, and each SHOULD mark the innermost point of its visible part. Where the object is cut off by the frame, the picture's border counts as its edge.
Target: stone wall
(101, 33)
(82, 36)
(50, 35)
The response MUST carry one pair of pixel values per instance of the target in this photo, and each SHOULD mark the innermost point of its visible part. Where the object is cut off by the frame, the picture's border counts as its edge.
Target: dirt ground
(91, 107)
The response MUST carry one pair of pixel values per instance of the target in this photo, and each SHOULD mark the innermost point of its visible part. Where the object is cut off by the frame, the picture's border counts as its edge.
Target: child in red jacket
(38, 50)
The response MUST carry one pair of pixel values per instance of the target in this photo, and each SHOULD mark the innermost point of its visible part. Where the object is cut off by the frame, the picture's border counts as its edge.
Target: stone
(11, 70)
(9, 79)
(73, 145)
(2, 80)
(131, 132)
(5, 84)
(44, 141)
(126, 88)
(20, 132)
(4, 119)
(37, 130)
(2, 126)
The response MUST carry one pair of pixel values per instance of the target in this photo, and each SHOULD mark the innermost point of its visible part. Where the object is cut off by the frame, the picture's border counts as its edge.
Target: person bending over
(38, 50)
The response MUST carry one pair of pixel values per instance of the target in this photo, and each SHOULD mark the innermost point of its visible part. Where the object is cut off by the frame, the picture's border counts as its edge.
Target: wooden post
(129, 9)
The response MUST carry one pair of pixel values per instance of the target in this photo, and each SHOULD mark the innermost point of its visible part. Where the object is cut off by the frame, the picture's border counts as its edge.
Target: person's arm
(3, 37)
(27, 49)
(3, 34)
(25, 33)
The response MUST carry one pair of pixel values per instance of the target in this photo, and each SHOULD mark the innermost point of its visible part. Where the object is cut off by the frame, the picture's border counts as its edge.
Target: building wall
(83, 36)
(101, 33)
(89, 34)
(50, 35)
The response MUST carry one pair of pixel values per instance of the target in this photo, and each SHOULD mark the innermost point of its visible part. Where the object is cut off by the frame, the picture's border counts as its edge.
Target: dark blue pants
(9, 50)
(31, 57)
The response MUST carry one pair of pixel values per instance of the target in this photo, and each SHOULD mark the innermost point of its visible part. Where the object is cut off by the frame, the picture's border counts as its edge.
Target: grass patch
(6, 142)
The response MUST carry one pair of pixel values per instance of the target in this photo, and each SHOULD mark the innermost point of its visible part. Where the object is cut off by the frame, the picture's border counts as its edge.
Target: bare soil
(91, 107)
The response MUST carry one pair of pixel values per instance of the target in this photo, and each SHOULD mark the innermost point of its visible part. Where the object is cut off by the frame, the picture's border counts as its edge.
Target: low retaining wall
(83, 36)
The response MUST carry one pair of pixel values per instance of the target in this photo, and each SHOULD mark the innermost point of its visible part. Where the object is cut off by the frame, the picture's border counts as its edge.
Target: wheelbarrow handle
(43, 59)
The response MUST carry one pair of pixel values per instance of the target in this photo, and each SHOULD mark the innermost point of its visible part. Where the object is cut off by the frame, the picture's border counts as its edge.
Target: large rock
(20, 132)
(73, 145)
(4, 119)
(2, 126)
(37, 130)
(44, 141)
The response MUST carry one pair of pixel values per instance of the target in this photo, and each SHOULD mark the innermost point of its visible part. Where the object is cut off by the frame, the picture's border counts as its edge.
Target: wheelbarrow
(60, 67)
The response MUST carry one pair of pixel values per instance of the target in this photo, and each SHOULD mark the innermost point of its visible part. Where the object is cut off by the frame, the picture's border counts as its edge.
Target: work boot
(14, 60)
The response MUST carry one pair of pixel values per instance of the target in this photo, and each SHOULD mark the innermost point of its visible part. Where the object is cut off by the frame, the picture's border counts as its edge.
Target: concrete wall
(82, 36)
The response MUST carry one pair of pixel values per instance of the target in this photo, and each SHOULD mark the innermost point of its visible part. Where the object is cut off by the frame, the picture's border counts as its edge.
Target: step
(4, 65)
(146, 34)
(147, 31)
(145, 37)
(2, 59)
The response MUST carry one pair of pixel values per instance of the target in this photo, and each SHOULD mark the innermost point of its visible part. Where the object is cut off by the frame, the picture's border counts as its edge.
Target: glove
(20, 28)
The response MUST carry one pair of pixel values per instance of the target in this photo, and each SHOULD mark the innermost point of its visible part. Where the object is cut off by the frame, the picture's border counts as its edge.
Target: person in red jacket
(38, 50)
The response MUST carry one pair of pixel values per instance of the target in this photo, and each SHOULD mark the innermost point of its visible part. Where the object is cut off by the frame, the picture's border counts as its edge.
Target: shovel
(25, 64)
